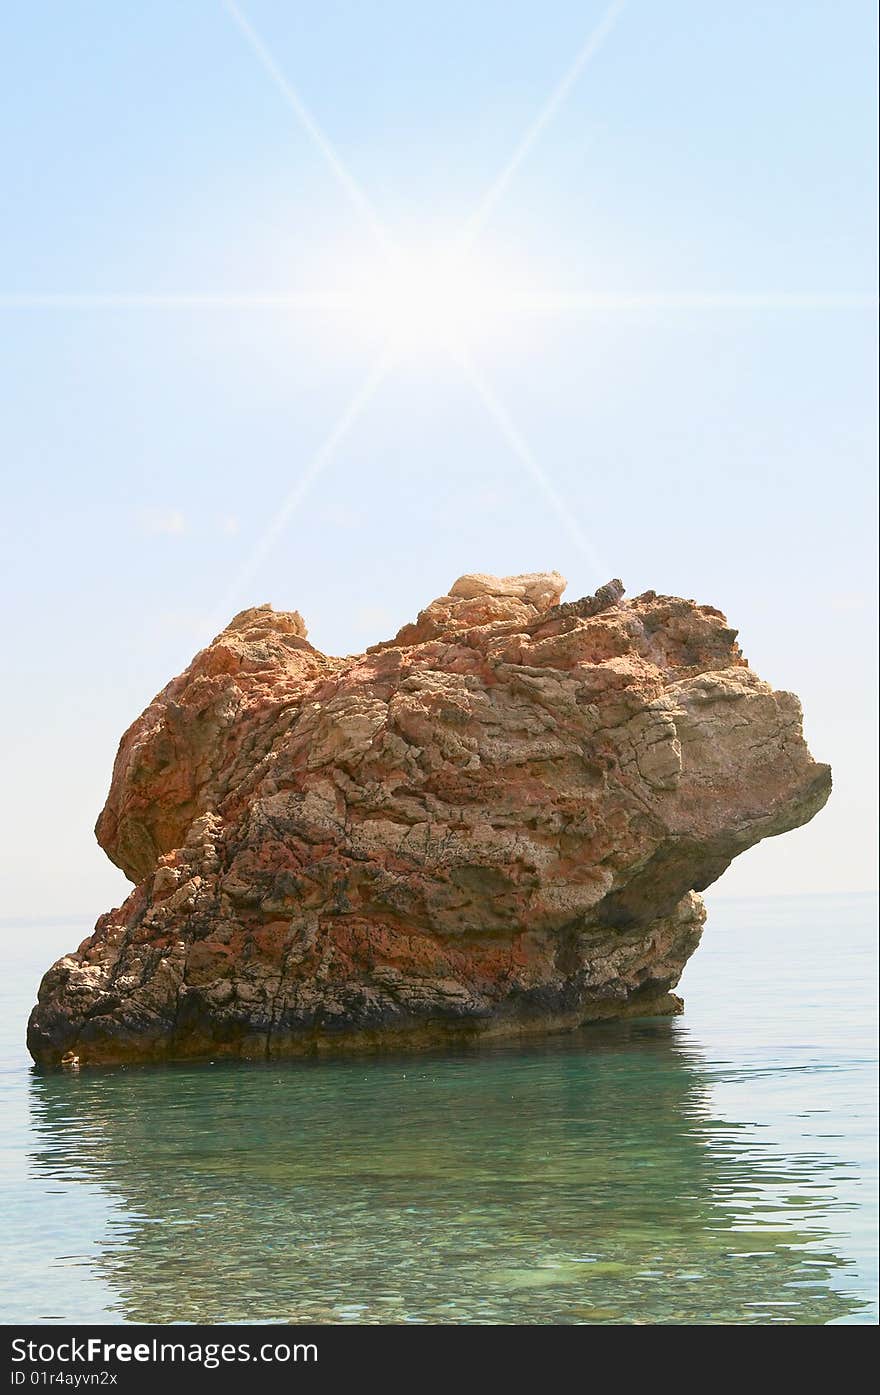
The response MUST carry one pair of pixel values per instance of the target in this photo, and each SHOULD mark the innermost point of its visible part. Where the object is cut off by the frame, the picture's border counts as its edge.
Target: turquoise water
(719, 1167)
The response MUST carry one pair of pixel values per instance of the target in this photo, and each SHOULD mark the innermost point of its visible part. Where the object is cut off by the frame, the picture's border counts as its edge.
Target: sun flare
(422, 299)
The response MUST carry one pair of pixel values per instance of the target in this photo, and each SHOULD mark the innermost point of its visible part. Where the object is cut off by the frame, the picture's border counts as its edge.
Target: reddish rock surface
(495, 823)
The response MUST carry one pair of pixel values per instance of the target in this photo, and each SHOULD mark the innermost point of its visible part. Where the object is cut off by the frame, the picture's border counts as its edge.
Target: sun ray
(558, 303)
(526, 456)
(295, 495)
(355, 193)
(137, 300)
(568, 303)
(475, 224)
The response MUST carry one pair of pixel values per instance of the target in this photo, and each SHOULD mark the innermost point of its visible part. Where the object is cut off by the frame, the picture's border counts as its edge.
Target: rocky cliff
(495, 823)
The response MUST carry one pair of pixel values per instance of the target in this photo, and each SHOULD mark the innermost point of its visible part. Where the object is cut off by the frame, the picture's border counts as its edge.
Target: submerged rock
(495, 823)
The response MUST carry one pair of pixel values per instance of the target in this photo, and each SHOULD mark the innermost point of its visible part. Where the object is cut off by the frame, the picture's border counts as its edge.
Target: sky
(325, 304)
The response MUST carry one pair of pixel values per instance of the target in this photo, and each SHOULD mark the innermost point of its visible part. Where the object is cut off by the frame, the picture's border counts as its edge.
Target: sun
(427, 297)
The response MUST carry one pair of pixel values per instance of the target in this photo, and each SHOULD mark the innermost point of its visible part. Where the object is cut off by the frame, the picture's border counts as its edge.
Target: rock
(496, 823)
(606, 596)
(540, 589)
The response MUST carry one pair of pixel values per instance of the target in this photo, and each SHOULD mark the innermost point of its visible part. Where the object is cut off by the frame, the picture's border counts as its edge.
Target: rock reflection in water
(581, 1180)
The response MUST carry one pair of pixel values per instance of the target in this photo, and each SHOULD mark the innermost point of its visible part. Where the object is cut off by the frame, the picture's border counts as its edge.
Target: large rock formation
(496, 822)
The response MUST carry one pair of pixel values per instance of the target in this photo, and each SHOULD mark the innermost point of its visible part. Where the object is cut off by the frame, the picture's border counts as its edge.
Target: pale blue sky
(721, 451)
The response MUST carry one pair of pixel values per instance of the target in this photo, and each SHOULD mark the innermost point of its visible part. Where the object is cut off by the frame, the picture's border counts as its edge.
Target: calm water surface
(720, 1167)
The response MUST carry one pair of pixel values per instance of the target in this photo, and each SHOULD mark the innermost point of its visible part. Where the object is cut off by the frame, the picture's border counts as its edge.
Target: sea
(715, 1168)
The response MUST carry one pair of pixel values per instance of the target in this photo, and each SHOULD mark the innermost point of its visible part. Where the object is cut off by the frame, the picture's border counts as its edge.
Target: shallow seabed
(719, 1167)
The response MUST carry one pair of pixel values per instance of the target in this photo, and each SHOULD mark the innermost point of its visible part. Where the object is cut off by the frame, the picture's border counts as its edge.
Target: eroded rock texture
(496, 822)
